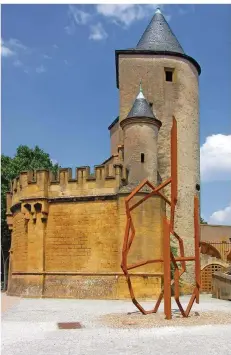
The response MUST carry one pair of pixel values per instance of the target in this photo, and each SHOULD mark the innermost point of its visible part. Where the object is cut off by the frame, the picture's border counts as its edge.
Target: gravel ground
(29, 326)
(137, 320)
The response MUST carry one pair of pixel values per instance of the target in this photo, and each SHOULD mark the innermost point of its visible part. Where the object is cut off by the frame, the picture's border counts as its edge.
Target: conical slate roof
(141, 107)
(158, 36)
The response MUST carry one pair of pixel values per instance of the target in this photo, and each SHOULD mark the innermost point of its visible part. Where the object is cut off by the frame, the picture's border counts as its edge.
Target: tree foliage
(25, 159)
(202, 221)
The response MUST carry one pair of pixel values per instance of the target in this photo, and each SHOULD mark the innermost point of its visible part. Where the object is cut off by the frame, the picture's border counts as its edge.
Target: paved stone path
(8, 302)
(29, 326)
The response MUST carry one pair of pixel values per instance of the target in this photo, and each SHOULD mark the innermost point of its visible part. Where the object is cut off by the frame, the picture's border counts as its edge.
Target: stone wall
(211, 233)
(72, 247)
(221, 285)
(20, 242)
(83, 237)
(114, 138)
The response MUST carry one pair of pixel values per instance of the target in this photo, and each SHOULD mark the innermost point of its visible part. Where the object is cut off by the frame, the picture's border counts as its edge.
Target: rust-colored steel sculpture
(168, 256)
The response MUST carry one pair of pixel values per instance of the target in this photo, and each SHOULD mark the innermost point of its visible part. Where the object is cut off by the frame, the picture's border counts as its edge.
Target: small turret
(140, 129)
(141, 107)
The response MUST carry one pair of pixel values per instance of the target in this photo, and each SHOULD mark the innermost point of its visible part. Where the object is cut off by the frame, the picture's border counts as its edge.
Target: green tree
(25, 159)
(202, 221)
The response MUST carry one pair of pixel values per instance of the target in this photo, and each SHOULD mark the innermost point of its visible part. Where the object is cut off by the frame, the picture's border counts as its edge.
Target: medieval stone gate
(215, 258)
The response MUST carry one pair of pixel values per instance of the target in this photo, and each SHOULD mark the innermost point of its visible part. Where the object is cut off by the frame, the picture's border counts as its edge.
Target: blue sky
(59, 85)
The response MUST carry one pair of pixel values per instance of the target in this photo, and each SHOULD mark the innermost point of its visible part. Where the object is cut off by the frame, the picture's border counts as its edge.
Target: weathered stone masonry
(68, 244)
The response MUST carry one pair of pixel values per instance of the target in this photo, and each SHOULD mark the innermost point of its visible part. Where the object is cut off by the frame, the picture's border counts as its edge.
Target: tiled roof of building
(158, 36)
(113, 123)
(141, 107)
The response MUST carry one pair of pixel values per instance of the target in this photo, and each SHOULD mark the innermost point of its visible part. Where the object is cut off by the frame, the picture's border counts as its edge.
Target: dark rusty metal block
(70, 325)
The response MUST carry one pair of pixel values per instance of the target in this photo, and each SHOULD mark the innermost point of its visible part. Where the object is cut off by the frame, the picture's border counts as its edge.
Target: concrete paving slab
(30, 326)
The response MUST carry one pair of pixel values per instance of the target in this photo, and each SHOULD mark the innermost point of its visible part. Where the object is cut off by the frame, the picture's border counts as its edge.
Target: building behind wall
(67, 232)
(215, 254)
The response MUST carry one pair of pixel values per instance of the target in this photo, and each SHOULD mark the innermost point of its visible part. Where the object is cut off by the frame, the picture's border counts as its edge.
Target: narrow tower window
(169, 74)
(142, 157)
(151, 104)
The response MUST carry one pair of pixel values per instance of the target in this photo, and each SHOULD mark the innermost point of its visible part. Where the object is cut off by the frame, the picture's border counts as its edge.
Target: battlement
(42, 183)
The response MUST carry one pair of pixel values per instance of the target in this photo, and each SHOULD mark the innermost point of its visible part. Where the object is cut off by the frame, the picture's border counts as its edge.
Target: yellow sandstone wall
(20, 242)
(72, 247)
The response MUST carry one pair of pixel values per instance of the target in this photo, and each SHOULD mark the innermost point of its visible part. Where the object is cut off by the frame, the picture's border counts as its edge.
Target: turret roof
(158, 36)
(141, 107)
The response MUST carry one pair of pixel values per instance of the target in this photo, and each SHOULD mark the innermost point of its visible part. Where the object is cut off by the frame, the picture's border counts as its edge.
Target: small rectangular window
(169, 74)
(142, 157)
(151, 104)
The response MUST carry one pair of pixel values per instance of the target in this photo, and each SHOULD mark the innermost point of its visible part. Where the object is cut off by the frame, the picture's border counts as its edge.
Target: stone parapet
(221, 285)
(43, 184)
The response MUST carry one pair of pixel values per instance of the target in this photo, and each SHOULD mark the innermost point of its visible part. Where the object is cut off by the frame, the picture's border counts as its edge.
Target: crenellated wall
(67, 235)
(106, 179)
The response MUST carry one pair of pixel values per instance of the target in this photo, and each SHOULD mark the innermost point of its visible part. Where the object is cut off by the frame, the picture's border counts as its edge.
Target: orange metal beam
(154, 192)
(142, 263)
(167, 270)
(168, 256)
(197, 247)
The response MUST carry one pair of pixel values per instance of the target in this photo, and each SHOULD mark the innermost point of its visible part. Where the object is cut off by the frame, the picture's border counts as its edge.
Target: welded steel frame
(168, 229)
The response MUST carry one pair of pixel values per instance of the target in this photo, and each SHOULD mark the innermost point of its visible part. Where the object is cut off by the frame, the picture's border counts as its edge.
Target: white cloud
(45, 56)
(55, 46)
(20, 53)
(41, 69)
(97, 33)
(216, 158)
(80, 17)
(5, 50)
(119, 14)
(12, 47)
(70, 29)
(17, 63)
(221, 216)
(125, 15)
(16, 44)
(76, 17)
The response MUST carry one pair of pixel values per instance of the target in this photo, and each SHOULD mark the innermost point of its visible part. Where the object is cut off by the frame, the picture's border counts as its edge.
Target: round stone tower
(170, 82)
(140, 129)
